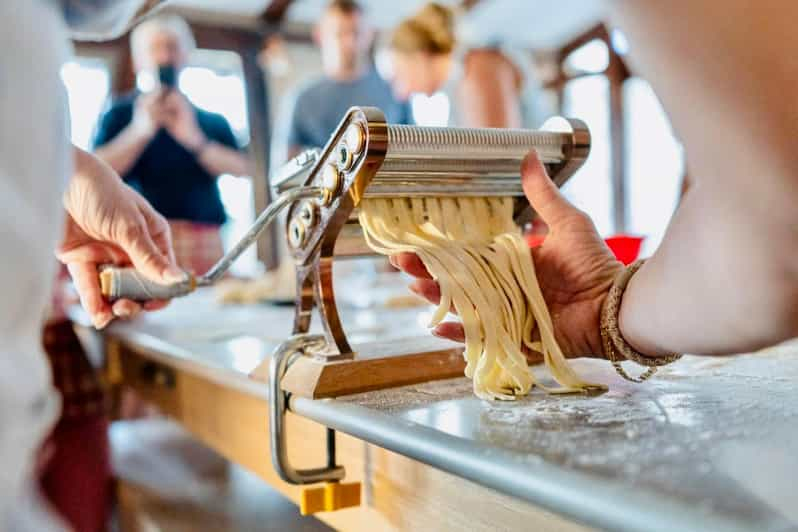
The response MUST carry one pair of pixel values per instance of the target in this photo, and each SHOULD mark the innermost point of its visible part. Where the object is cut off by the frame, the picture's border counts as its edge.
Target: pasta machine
(322, 189)
(365, 158)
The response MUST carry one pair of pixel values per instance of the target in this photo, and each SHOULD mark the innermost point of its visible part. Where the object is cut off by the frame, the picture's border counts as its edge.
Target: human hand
(181, 121)
(148, 114)
(109, 223)
(574, 267)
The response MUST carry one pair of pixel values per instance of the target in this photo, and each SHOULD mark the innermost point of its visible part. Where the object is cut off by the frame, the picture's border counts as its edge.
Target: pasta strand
(474, 250)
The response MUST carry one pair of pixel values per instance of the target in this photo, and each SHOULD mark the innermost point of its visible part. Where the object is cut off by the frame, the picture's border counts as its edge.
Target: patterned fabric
(197, 246)
(76, 478)
(83, 394)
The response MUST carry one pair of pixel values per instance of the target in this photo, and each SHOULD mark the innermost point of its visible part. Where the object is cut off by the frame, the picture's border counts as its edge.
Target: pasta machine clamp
(334, 494)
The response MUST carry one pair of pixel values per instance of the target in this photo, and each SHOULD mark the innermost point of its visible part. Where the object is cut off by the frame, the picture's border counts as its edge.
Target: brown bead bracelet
(616, 349)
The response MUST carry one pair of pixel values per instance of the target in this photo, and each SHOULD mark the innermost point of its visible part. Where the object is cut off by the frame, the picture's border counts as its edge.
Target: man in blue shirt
(349, 79)
(168, 149)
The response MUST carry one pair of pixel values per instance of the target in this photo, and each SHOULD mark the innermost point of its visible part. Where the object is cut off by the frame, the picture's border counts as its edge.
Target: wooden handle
(127, 283)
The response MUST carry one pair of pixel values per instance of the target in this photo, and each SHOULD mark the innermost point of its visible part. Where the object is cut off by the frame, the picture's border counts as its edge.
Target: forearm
(218, 159)
(725, 277)
(88, 171)
(723, 281)
(122, 152)
(86, 164)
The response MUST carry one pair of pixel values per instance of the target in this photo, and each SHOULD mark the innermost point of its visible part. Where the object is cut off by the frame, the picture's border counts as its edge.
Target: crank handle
(127, 283)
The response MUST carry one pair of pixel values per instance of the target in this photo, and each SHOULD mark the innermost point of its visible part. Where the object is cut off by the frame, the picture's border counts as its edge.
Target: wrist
(198, 145)
(593, 339)
(595, 344)
(629, 325)
(616, 347)
(142, 132)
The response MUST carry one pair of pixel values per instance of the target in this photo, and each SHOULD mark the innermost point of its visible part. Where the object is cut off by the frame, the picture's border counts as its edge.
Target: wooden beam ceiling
(274, 14)
(466, 5)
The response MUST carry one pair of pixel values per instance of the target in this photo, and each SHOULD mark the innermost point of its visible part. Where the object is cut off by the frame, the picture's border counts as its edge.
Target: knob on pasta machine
(331, 179)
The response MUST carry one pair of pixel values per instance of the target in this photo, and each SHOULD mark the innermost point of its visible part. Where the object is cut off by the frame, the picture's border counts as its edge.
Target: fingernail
(102, 320)
(414, 287)
(123, 312)
(173, 274)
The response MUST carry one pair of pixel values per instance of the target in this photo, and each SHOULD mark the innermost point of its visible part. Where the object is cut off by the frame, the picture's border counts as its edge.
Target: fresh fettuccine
(475, 252)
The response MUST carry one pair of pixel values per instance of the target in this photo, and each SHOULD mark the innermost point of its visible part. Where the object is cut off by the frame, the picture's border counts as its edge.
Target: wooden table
(710, 444)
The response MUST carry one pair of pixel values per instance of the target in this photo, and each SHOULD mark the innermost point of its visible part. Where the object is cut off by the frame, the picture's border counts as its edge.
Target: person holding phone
(168, 149)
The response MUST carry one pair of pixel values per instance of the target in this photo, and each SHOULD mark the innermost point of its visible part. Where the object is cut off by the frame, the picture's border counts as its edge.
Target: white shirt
(35, 163)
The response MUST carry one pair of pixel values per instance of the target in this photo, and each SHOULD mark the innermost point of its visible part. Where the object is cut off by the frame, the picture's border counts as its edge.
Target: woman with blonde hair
(483, 82)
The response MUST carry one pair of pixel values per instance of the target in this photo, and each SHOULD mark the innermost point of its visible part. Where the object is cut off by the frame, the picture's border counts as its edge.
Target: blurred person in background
(344, 38)
(483, 81)
(487, 84)
(169, 150)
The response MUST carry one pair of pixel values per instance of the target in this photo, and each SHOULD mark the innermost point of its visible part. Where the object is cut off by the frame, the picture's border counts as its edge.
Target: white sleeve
(34, 165)
(93, 20)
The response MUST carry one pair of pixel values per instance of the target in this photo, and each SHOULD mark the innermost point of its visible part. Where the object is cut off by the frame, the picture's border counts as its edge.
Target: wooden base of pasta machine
(375, 366)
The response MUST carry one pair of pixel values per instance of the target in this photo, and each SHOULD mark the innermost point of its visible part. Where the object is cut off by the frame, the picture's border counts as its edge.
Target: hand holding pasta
(558, 293)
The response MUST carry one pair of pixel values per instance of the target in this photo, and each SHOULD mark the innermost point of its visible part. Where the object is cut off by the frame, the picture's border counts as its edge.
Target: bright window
(592, 57)
(87, 84)
(654, 164)
(430, 110)
(219, 90)
(590, 188)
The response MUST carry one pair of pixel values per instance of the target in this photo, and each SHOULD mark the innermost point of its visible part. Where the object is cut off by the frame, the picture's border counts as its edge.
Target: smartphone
(167, 76)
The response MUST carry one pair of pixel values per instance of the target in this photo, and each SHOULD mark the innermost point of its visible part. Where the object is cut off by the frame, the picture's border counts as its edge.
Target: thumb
(542, 193)
(147, 258)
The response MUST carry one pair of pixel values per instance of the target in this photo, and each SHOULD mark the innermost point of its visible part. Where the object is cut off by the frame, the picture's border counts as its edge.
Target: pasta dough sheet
(474, 250)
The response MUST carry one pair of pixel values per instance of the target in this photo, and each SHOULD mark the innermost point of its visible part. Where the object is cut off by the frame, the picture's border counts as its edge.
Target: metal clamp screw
(296, 233)
(345, 158)
(308, 214)
(355, 138)
(331, 179)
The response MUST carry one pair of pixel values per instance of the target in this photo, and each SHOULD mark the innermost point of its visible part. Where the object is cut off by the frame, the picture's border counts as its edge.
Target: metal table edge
(587, 499)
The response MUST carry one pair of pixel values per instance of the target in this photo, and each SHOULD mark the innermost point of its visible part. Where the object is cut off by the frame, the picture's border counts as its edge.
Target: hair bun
(430, 30)
(438, 21)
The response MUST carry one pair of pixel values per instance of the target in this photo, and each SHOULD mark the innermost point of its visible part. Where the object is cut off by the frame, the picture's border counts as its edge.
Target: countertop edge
(587, 499)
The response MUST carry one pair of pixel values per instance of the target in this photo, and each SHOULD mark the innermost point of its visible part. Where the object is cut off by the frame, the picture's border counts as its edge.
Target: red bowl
(625, 247)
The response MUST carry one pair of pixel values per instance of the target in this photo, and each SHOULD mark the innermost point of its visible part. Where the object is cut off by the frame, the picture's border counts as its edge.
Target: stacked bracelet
(615, 347)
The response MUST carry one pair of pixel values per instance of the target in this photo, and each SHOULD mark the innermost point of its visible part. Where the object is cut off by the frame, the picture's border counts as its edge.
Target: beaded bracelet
(615, 346)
